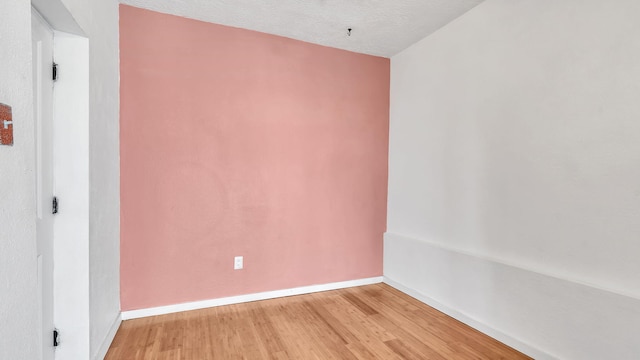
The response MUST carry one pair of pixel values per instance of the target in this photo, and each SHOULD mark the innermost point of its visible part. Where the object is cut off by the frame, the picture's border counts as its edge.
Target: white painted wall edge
(513, 264)
(462, 317)
(169, 309)
(106, 343)
(58, 16)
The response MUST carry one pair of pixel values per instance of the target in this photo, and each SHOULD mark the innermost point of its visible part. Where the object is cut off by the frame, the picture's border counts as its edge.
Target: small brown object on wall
(6, 125)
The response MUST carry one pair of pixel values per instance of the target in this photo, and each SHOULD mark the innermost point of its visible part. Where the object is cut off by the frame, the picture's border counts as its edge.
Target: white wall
(18, 287)
(18, 282)
(99, 20)
(514, 173)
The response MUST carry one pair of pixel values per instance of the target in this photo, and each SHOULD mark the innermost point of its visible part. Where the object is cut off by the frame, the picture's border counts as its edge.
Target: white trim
(478, 325)
(106, 343)
(526, 267)
(161, 310)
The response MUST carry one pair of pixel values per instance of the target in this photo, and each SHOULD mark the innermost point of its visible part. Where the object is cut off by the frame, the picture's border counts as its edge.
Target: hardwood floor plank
(406, 353)
(287, 325)
(415, 335)
(419, 344)
(365, 331)
(364, 323)
(265, 332)
(332, 322)
(360, 351)
(361, 305)
(445, 327)
(325, 334)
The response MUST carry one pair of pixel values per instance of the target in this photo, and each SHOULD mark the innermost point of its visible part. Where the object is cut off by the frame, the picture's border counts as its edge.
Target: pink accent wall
(235, 142)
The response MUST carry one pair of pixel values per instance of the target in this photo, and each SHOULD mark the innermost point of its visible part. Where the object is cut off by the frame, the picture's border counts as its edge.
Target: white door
(43, 112)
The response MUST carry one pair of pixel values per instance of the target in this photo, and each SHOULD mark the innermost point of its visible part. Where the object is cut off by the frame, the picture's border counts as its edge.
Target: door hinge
(54, 205)
(55, 71)
(56, 335)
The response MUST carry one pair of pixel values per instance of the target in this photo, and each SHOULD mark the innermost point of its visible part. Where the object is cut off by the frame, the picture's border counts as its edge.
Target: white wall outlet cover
(238, 262)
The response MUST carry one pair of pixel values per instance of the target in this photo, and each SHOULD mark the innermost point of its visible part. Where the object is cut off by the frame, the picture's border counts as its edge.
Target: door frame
(43, 88)
(71, 181)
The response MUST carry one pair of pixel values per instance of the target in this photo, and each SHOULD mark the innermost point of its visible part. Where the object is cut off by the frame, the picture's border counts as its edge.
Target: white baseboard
(161, 310)
(498, 335)
(106, 343)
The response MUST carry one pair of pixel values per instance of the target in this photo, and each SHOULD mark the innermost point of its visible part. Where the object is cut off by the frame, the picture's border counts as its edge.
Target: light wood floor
(368, 322)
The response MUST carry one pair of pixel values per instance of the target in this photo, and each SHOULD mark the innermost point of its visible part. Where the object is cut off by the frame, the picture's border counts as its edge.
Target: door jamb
(71, 180)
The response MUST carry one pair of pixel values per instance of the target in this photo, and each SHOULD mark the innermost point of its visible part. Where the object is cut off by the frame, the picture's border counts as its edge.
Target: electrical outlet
(238, 263)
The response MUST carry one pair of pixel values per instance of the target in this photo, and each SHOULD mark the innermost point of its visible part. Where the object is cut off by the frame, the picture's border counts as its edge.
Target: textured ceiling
(380, 27)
